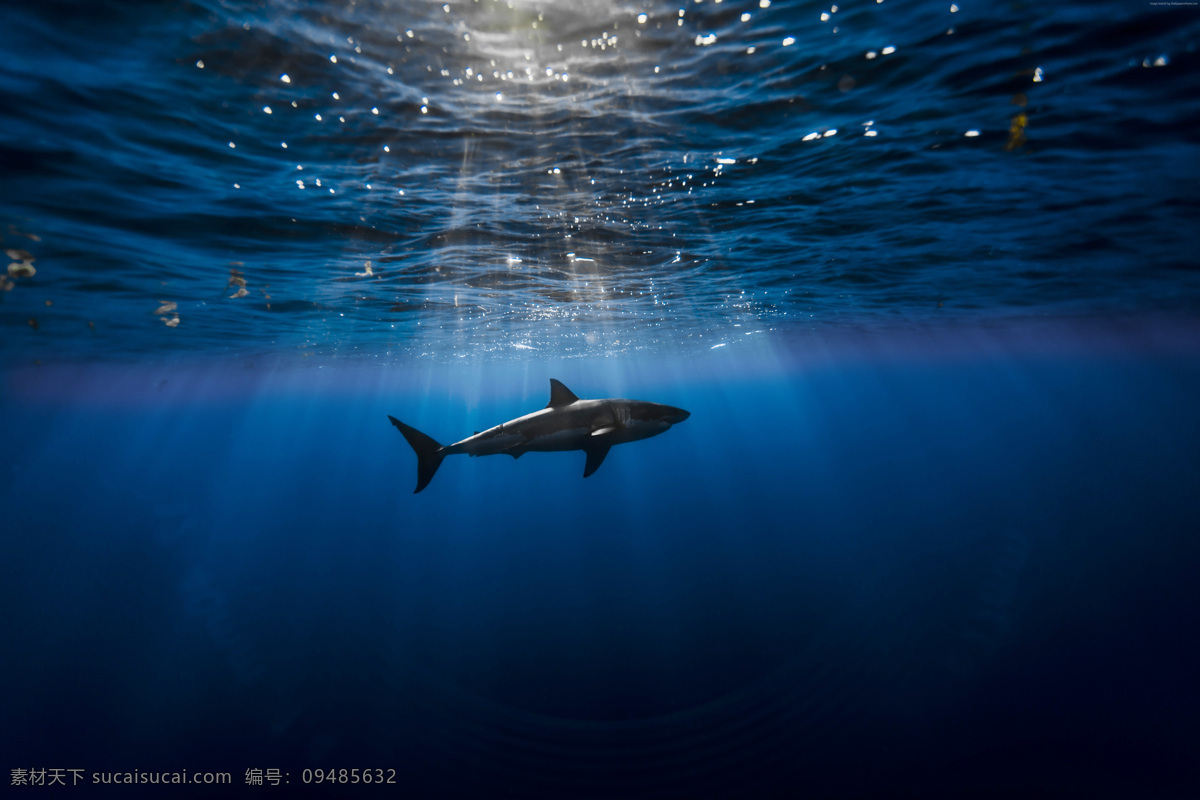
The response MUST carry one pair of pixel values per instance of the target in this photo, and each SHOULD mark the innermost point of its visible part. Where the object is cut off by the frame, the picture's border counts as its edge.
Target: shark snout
(675, 415)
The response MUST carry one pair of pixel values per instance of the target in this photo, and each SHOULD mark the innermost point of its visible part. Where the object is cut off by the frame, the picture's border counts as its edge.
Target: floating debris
(5, 284)
(22, 264)
(168, 307)
(31, 236)
(1016, 132)
(237, 279)
(366, 273)
(33, 323)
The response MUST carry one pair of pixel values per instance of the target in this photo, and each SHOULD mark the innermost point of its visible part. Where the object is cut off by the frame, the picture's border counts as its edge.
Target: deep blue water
(925, 279)
(899, 565)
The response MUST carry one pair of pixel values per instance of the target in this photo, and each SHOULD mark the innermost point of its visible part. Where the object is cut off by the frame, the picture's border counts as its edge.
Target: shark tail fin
(429, 453)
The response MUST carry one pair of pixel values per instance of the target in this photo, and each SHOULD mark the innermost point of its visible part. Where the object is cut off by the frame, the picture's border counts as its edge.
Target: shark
(566, 423)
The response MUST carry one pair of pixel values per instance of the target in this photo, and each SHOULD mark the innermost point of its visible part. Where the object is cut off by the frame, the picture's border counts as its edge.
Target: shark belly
(632, 431)
(556, 441)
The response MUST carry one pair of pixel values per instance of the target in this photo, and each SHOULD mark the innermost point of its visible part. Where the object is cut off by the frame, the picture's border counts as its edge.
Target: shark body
(566, 423)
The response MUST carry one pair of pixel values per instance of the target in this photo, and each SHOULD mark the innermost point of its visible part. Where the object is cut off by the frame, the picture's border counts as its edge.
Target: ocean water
(924, 274)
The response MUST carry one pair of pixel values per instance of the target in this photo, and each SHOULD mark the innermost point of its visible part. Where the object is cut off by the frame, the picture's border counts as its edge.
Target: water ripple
(621, 171)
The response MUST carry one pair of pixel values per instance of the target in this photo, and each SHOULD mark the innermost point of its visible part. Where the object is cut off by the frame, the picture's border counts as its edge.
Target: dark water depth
(949, 569)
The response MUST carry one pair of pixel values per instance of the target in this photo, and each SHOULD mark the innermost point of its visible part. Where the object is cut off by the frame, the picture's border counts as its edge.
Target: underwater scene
(845, 359)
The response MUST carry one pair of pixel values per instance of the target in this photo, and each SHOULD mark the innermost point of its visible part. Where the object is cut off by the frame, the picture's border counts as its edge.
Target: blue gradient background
(862, 567)
(930, 530)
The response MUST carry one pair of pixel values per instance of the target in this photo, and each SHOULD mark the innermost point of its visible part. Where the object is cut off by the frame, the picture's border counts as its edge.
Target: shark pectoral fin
(595, 457)
(602, 431)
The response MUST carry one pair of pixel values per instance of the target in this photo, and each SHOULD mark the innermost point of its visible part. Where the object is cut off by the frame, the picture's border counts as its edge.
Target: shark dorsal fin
(560, 395)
